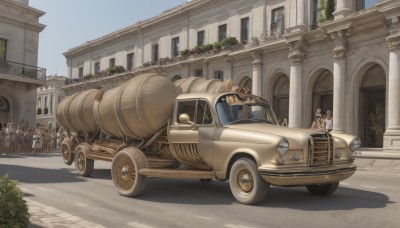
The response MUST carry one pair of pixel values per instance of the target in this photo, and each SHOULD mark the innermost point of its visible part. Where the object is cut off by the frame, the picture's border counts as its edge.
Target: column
(339, 77)
(393, 122)
(257, 73)
(296, 81)
(300, 12)
(343, 8)
(228, 68)
(205, 70)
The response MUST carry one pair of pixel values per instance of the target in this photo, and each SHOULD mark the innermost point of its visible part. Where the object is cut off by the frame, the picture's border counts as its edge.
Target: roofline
(137, 26)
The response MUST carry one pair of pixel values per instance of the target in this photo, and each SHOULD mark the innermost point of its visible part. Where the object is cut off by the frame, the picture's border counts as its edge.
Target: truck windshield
(235, 108)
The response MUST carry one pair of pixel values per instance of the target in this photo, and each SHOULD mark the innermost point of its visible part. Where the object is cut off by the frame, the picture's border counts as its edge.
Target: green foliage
(229, 41)
(329, 9)
(115, 70)
(13, 208)
(88, 76)
(185, 53)
(39, 111)
(217, 45)
(374, 128)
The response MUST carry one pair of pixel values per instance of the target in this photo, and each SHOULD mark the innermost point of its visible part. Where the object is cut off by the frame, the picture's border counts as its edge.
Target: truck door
(191, 142)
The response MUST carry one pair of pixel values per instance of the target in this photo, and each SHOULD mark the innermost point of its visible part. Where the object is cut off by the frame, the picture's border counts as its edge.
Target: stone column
(296, 81)
(205, 70)
(392, 134)
(343, 8)
(339, 78)
(257, 73)
(228, 68)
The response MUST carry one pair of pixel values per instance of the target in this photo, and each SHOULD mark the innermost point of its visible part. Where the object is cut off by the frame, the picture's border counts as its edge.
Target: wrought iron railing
(22, 70)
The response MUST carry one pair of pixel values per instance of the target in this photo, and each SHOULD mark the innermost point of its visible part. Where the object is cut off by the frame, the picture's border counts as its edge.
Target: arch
(175, 78)
(245, 81)
(355, 84)
(310, 81)
(13, 103)
(270, 82)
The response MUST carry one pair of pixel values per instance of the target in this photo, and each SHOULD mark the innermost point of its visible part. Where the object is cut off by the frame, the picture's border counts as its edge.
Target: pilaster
(257, 73)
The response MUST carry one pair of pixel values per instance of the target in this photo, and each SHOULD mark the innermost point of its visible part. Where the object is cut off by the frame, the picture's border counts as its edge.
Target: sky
(71, 23)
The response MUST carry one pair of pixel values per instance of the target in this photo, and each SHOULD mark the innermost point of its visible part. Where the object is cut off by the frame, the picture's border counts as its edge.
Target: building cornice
(21, 15)
(137, 27)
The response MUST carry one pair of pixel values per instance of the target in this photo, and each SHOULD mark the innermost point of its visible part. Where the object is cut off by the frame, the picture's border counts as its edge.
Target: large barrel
(139, 108)
(200, 85)
(75, 112)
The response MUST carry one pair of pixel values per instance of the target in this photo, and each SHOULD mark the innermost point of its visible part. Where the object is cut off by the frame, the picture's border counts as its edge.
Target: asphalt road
(368, 199)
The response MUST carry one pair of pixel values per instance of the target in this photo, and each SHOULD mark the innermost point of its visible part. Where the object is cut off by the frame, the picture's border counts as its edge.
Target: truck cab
(237, 137)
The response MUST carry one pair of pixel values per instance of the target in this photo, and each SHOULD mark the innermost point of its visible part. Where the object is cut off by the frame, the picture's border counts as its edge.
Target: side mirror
(185, 119)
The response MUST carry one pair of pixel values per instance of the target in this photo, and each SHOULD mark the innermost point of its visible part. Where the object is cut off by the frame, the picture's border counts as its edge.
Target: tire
(247, 186)
(125, 171)
(83, 165)
(322, 189)
(205, 180)
(68, 156)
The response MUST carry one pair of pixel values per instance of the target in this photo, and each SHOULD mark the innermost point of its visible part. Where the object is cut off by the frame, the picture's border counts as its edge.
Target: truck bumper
(308, 175)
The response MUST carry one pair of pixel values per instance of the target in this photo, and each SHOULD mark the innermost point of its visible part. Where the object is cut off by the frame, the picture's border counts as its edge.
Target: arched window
(51, 104)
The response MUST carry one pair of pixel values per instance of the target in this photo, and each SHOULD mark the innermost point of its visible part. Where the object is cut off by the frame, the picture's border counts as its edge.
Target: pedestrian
(329, 121)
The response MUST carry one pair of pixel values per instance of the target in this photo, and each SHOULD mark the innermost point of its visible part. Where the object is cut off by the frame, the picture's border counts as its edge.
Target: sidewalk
(45, 216)
(375, 160)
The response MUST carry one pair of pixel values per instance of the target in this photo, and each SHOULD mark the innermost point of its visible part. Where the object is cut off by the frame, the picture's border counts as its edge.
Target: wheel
(68, 156)
(125, 171)
(246, 184)
(83, 165)
(322, 189)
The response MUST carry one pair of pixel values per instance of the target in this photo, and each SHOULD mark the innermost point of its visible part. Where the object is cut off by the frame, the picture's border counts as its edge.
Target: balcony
(22, 70)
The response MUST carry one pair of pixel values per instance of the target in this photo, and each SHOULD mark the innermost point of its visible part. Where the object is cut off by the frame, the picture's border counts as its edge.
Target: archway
(322, 96)
(4, 111)
(372, 107)
(281, 97)
(246, 82)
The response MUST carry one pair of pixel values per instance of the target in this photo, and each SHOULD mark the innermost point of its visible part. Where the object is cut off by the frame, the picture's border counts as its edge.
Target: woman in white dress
(329, 121)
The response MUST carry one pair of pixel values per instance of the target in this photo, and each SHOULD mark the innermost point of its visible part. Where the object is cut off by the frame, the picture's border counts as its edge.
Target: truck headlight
(283, 147)
(355, 144)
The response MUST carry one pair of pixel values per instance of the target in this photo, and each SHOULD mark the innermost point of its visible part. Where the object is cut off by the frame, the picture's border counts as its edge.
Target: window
(221, 32)
(3, 49)
(80, 72)
(111, 63)
(198, 72)
(219, 75)
(175, 47)
(154, 52)
(318, 12)
(96, 67)
(278, 21)
(129, 61)
(198, 110)
(51, 104)
(365, 4)
(200, 38)
(244, 30)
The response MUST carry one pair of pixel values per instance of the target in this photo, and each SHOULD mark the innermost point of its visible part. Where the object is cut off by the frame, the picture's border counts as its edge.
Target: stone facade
(48, 97)
(19, 74)
(295, 61)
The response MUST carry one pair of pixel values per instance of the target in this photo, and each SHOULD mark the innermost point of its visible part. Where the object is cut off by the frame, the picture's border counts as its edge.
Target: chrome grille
(321, 150)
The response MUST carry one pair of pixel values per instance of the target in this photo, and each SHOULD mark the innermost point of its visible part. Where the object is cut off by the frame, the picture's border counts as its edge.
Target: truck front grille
(321, 150)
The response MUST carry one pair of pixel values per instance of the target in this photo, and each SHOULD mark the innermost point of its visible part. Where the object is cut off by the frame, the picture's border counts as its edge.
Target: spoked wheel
(322, 189)
(83, 165)
(246, 184)
(125, 171)
(68, 156)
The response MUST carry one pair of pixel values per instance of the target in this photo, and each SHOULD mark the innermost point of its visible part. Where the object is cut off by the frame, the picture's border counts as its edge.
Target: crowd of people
(323, 122)
(24, 139)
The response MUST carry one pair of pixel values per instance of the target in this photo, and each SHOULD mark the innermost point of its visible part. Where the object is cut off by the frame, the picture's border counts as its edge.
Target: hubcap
(81, 162)
(245, 180)
(124, 172)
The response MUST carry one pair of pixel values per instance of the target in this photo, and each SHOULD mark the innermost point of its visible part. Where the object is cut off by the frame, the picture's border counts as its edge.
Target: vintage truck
(150, 127)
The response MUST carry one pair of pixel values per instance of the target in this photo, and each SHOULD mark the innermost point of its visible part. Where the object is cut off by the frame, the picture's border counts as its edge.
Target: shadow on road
(103, 174)
(218, 193)
(25, 174)
(22, 155)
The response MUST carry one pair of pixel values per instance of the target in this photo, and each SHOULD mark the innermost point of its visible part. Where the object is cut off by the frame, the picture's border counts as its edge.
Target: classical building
(48, 97)
(293, 53)
(19, 74)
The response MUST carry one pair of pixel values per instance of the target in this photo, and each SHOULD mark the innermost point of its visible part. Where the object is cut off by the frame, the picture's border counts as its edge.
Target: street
(368, 199)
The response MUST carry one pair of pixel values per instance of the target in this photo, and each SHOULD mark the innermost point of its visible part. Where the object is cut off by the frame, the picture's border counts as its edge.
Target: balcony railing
(22, 70)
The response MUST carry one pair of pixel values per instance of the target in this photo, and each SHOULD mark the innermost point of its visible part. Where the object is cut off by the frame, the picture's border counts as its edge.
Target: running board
(177, 173)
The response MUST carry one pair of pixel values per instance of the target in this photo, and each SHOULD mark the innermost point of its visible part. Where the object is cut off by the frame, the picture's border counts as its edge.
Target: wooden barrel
(75, 112)
(139, 108)
(201, 85)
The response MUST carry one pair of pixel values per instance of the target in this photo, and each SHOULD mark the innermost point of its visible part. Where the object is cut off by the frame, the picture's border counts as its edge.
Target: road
(368, 199)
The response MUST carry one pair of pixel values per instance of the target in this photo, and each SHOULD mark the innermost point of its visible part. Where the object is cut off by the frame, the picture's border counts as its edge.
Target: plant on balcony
(185, 53)
(88, 76)
(13, 208)
(217, 46)
(39, 111)
(119, 69)
(46, 110)
(229, 41)
(329, 9)
(209, 47)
